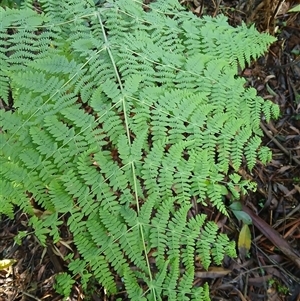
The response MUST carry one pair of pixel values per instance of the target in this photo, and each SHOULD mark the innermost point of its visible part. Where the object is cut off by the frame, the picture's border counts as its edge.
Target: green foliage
(64, 283)
(295, 9)
(123, 117)
(11, 3)
(236, 208)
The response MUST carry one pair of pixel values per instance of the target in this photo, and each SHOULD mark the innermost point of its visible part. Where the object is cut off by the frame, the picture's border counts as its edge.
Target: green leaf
(236, 206)
(242, 216)
(295, 9)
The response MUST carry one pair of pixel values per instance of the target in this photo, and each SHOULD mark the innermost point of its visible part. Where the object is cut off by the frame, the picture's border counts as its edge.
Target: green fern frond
(158, 238)
(64, 284)
(201, 293)
(171, 279)
(133, 290)
(186, 284)
(238, 145)
(176, 226)
(251, 151)
(207, 239)
(126, 116)
(264, 155)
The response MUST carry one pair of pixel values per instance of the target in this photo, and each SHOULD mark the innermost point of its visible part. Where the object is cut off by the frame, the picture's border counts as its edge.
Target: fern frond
(264, 155)
(125, 116)
(158, 237)
(250, 151)
(207, 239)
(238, 145)
(176, 227)
(201, 293)
(64, 284)
(134, 291)
(156, 283)
(186, 284)
(170, 281)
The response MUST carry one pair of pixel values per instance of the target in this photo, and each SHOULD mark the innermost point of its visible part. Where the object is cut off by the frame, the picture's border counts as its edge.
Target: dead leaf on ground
(213, 272)
(244, 242)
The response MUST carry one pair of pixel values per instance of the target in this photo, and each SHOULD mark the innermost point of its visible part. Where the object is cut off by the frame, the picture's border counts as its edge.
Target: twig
(279, 222)
(31, 296)
(279, 144)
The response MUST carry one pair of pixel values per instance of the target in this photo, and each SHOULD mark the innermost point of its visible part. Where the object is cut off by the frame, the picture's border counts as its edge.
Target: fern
(64, 283)
(123, 117)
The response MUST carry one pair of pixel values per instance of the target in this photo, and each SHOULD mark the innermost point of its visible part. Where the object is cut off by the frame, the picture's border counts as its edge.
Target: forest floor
(272, 270)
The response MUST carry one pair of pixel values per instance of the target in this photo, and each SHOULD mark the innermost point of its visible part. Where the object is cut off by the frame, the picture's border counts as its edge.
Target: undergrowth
(125, 115)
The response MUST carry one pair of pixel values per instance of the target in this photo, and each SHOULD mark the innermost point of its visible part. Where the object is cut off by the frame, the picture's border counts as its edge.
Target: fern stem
(129, 140)
(106, 43)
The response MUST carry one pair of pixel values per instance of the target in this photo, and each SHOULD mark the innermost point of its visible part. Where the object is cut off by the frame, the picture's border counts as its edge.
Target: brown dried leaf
(274, 237)
(213, 272)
